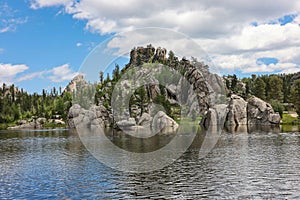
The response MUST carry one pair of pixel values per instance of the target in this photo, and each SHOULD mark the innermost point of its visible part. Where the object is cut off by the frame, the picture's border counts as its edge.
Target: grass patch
(188, 120)
(4, 126)
(51, 125)
(287, 119)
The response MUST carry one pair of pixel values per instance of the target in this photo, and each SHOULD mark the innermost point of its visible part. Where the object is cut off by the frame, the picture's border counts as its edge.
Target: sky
(43, 43)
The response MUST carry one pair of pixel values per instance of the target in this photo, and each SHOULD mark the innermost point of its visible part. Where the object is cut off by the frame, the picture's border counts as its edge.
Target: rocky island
(226, 101)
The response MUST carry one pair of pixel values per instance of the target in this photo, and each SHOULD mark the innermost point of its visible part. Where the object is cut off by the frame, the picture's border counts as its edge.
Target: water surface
(55, 165)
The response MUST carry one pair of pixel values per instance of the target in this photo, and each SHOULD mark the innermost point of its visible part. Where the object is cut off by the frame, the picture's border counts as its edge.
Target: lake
(54, 164)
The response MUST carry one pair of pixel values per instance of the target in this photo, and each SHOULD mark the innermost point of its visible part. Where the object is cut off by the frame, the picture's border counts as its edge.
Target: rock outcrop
(77, 82)
(37, 123)
(240, 112)
(260, 112)
(96, 116)
(295, 76)
(237, 111)
(127, 123)
(198, 90)
(160, 55)
(162, 123)
(145, 120)
(27, 125)
(215, 116)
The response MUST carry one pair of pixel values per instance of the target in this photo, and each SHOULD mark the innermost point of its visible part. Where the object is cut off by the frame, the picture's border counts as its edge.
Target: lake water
(55, 165)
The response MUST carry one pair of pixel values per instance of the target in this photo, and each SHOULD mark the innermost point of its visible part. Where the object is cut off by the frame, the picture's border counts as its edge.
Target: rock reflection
(253, 129)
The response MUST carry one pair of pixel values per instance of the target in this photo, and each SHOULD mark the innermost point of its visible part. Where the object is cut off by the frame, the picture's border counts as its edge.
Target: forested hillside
(17, 104)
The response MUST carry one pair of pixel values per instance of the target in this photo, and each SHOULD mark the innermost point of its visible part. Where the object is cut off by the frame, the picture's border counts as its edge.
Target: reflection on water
(54, 164)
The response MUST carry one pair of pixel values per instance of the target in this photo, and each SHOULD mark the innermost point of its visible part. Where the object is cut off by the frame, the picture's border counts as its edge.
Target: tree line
(17, 104)
(277, 89)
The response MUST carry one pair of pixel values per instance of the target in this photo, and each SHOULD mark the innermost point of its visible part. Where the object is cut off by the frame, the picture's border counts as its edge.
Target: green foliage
(275, 88)
(116, 73)
(140, 98)
(277, 106)
(259, 88)
(295, 95)
(162, 100)
(17, 104)
(233, 83)
(288, 119)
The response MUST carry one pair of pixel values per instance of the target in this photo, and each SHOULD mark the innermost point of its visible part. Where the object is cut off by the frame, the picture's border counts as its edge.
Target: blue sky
(43, 43)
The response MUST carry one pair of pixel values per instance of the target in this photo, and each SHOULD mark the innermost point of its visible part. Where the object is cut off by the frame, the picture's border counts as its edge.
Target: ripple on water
(56, 165)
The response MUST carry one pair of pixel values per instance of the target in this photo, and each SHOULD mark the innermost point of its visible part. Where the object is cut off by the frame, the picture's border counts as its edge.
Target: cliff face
(207, 86)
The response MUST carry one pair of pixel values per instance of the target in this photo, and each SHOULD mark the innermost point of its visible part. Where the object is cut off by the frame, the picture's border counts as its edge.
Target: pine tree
(259, 88)
(275, 89)
(295, 94)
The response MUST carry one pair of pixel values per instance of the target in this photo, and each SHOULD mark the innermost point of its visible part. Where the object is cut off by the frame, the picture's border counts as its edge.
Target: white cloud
(31, 76)
(291, 70)
(5, 29)
(222, 28)
(78, 44)
(196, 18)
(8, 72)
(57, 74)
(47, 3)
(62, 73)
(9, 20)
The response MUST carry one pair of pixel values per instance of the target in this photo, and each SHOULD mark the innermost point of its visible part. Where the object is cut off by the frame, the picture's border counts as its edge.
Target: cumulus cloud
(78, 44)
(56, 74)
(224, 29)
(62, 73)
(8, 72)
(198, 19)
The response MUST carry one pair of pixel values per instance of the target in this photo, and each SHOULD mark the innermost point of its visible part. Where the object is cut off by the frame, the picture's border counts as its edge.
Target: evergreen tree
(295, 93)
(116, 73)
(259, 88)
(101, 76)
(275, 89)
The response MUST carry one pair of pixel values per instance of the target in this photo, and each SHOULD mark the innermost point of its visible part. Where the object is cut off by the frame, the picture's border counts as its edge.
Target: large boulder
(260, 112)
(163, 123)
(145, 120)
(74, 113)
(95, 116)
(127, 124)
(237, 111)
(215, 116)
